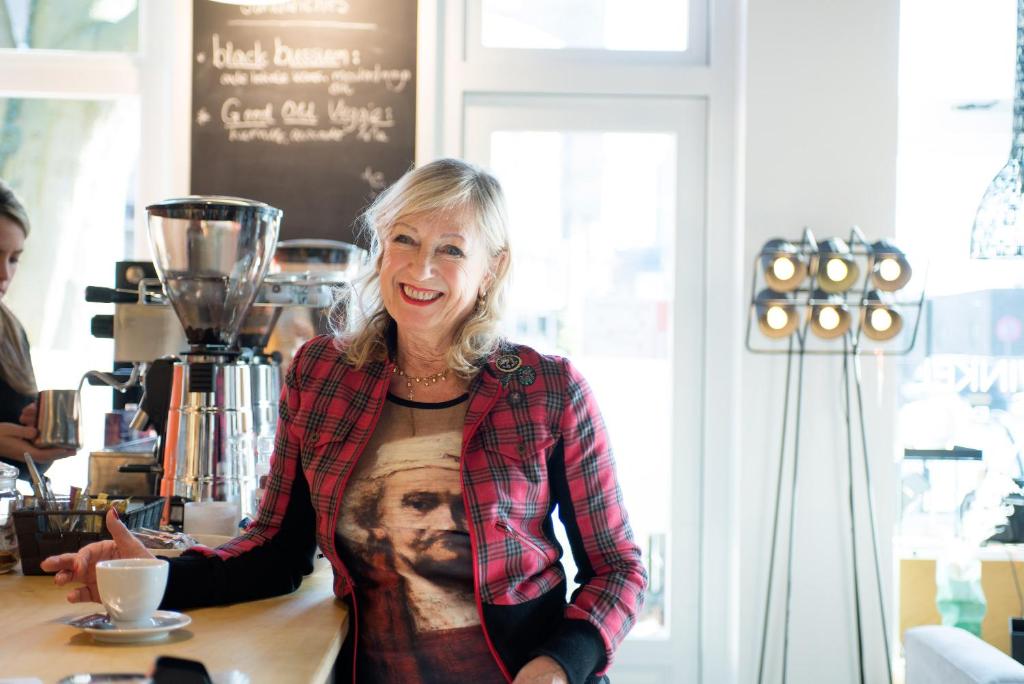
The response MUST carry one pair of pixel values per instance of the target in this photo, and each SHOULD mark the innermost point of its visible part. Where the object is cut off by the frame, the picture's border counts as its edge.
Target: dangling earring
(481, 301)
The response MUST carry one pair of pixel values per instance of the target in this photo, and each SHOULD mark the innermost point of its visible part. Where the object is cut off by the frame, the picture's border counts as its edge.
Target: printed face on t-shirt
(421, 508)
(404, 537)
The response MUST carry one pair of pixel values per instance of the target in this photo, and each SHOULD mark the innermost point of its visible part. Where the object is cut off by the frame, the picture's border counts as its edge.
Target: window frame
(478, 54)
(153, 74)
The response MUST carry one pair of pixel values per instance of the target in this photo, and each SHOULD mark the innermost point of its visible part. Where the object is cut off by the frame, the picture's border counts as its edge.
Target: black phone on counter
(170, 670)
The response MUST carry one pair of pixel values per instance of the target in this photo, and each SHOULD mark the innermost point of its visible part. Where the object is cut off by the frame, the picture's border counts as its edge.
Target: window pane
(93, 25)
(72, 164)
(963, 385)
(583, 289)
(647, 25)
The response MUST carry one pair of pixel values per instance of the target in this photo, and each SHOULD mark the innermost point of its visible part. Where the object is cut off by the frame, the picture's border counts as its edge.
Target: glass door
(606, 208)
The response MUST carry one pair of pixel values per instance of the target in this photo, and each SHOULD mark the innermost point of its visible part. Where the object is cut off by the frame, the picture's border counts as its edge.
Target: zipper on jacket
(473, 544)
(355, 625)
(521, 538)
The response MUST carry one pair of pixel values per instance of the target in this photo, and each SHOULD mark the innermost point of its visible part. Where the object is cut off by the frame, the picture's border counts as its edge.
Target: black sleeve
(575, 645)
(273, 568)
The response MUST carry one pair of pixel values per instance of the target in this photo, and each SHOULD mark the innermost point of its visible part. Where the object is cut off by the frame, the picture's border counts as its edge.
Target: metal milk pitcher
(58, 411)
(57, 415)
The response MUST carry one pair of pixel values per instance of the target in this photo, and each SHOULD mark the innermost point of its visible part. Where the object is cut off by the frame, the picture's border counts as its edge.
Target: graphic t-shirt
(402, 534)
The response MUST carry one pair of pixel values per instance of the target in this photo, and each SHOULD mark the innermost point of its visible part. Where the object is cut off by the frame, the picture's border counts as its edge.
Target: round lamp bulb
(836, 270)
(881, 320)
(828, 318)
(889, 269)
(783, 268)
(776, 317)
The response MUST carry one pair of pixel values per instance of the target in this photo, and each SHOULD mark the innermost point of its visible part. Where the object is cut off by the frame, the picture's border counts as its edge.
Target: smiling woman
(439, 240)
(435, 269)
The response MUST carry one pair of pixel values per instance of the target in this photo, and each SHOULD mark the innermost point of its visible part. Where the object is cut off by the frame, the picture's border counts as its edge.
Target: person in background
(425, 455)
(17, 381)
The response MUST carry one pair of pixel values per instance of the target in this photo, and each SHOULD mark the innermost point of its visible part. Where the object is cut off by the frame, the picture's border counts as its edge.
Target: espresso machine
(211, 255)
(213, 362)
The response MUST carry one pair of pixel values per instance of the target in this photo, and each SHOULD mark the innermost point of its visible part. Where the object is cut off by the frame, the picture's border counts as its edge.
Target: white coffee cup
(131, 589)
(212, 517)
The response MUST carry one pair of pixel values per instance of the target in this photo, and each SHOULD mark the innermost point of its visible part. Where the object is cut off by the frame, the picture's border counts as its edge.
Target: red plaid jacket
(533, 439)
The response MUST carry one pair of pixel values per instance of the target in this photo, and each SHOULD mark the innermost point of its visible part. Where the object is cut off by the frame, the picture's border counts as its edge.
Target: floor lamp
(832, 298)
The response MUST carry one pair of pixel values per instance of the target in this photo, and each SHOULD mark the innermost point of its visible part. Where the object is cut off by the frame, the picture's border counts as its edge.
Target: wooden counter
(292, 638)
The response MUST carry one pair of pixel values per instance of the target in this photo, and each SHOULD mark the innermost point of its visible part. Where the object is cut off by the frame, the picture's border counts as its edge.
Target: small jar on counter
(10, 500)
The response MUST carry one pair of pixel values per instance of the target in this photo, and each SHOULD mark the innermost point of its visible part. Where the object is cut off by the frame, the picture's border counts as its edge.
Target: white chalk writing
(331, 104)
(227, 56)
(234, 116)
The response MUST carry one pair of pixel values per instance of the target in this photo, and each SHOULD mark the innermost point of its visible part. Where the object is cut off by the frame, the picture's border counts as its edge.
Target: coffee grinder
(211, 255)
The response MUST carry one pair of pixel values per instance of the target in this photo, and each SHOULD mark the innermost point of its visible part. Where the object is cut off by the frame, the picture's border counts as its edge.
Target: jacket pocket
(509, 531)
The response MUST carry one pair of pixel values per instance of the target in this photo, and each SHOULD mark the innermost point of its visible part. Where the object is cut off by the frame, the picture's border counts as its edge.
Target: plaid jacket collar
(484, 389)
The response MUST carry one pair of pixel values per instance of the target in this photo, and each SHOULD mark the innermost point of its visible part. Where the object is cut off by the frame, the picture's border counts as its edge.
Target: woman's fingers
(54, 454)
(88, 556)
(128, 546)
(46, 455)
(79, 567)
(28, 415)
(22, 432)
(65, 562)
(83, 595)
(75, 566)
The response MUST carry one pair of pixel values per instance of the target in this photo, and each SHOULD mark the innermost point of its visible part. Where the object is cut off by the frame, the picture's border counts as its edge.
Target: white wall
(820, 151)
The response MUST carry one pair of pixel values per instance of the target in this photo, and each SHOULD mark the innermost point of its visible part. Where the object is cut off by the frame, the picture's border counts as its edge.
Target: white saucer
(101, 628)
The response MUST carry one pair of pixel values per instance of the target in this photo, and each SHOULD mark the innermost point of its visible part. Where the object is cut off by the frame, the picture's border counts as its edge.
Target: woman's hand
(541, 670)
(16, 441)
(28, 414)
(81, 566)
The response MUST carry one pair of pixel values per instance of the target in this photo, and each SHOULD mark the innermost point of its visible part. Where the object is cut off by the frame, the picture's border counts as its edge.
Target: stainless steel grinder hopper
(211, 254)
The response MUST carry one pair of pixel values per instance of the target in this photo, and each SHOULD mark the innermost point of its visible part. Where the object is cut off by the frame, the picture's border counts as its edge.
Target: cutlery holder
(39, 533)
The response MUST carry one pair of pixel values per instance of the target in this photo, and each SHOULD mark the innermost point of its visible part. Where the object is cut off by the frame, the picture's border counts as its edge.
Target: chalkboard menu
(309, 106)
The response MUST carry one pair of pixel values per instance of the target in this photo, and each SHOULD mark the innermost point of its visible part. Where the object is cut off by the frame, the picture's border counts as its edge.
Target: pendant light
(998, 225)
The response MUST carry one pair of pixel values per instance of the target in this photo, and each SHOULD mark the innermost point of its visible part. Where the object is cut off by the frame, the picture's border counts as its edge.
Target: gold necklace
(426, 380)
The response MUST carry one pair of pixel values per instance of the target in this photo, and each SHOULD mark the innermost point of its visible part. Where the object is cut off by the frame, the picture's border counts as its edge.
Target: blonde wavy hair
(363, 328)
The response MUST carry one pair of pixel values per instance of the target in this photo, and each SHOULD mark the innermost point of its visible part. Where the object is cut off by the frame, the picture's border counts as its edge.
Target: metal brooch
(512, 368)
(508, 363)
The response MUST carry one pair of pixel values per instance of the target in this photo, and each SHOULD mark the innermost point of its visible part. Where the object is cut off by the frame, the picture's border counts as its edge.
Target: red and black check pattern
(526, 449)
